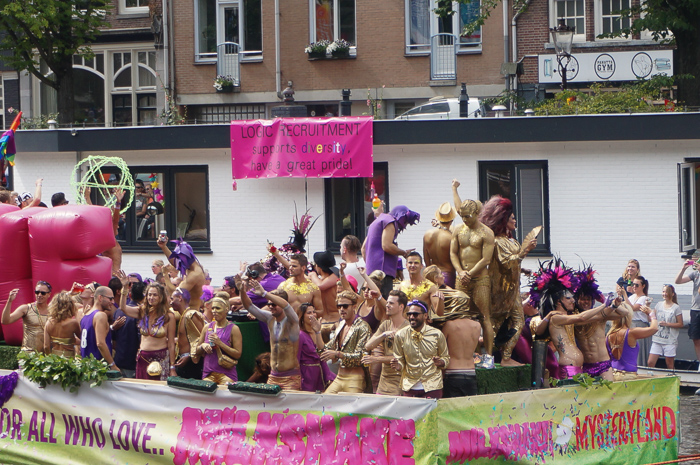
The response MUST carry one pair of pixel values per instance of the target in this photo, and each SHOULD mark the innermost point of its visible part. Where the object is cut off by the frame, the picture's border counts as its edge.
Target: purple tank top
(628, 359)
(371, 320)
(88, 340)
(376, 258)
(211, 361)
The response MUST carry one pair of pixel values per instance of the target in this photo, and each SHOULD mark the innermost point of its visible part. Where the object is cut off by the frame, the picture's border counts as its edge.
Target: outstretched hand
(123, 278)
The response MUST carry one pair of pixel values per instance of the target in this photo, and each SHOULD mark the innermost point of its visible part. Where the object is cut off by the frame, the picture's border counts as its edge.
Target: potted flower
(224, 83)
(317, 49)
(340, 48)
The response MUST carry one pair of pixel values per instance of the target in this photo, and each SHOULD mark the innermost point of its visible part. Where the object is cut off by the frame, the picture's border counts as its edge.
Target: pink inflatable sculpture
(57, 245)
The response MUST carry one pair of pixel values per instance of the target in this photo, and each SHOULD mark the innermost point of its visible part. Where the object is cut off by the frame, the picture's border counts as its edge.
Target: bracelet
(110, 365)
(186, 354)
(318, 332)
(264, 294)
(173, 367)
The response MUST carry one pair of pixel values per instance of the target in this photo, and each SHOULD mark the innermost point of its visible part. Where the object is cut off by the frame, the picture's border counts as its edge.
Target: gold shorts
(218, 378)
(347, 383)
(287, 383)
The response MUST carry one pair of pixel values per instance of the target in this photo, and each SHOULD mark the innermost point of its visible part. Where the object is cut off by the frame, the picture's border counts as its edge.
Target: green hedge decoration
(503, 379)
(8, 357)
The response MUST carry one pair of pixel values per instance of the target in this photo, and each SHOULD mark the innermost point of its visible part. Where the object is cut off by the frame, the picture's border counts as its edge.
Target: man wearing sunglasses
(420, 354)
(283, 324)
(34, 316)
(96, 338)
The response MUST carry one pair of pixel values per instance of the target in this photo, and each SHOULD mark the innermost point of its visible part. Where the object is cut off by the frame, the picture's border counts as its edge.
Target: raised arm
(133, 312)
(163, 244)
(276, 253)
(681, 278)
(9, 318)
(455, 195)
(244, 287)
(37, 194)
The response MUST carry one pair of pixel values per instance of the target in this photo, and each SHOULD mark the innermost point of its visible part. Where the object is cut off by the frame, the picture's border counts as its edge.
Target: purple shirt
(315, 374)
(376, 258)
(88, 339)
(628, 358)
(211, 361)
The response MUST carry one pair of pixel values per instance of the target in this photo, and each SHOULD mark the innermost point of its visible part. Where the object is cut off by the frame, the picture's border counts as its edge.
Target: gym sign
(613, 66)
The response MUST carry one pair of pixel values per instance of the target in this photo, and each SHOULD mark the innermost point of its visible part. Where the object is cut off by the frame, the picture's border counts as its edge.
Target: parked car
(443, 108)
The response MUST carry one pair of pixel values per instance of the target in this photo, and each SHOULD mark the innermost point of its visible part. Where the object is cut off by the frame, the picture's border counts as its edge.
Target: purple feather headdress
(552, 278)
(183, 255)
(587, 284)
(301, 228)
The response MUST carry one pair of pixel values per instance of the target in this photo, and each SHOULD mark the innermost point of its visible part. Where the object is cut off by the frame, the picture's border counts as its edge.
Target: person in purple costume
(380, 250)
(622, 344)
(315, 374)
(219, 335)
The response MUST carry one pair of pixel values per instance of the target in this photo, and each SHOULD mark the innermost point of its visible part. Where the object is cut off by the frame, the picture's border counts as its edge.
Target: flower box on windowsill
(334, 56)
(226, 89)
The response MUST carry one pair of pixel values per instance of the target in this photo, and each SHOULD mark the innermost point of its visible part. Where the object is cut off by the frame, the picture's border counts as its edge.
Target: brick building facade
(385, 57)
(591, 18)
(122, 84)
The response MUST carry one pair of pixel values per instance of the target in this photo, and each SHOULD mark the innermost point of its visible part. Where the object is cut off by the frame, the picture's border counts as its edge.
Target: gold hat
(445, 213)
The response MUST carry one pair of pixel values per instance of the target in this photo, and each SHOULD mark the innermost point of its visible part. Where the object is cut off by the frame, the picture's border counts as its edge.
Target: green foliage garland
(68, 372)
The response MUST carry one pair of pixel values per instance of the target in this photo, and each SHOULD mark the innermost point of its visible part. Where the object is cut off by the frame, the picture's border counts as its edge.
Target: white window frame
(336, 23)
(131, 10)
(221, 5)
(136, 89)
(598, 12)
(579, 36)
(687, 216)
(424, 49)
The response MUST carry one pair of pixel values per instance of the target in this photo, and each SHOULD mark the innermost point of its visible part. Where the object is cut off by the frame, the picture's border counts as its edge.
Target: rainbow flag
(7, 142)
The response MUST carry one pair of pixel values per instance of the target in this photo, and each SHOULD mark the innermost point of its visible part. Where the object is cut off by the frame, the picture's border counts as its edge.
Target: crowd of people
(367, 324)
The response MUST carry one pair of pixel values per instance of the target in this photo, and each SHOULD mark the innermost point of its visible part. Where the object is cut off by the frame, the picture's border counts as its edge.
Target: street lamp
(563, 37)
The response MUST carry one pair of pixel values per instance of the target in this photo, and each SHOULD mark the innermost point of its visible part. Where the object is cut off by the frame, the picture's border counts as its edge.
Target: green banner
(572, 424)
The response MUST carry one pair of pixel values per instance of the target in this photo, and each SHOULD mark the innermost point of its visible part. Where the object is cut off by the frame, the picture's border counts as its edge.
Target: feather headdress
(587, 284)
(301, 228)
(183, 255)
(548, 282)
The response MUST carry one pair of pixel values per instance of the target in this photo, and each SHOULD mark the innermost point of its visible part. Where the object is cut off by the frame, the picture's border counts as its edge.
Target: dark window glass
(525, 183)
(349, 204)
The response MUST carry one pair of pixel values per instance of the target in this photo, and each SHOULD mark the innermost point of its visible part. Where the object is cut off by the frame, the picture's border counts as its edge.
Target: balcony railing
(228, 61)
(443, 57)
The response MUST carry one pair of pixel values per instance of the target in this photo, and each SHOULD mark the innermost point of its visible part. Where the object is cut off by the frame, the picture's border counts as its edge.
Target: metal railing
(228, 61)
(443, 57)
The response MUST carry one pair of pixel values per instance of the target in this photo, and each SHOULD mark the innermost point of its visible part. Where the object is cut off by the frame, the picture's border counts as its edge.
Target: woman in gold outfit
(504, 270)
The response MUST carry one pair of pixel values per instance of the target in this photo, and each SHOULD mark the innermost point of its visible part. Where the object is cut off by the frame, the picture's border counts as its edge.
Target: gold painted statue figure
(471, 251)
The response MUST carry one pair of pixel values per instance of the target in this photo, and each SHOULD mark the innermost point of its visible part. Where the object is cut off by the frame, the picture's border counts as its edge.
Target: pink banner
(302, 147)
